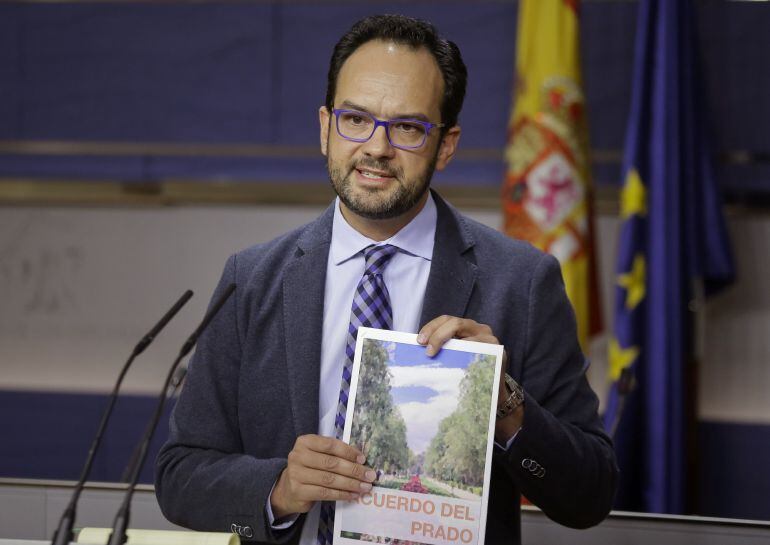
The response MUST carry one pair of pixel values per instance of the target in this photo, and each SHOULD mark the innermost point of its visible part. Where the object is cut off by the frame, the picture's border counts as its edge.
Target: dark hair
(416, 34)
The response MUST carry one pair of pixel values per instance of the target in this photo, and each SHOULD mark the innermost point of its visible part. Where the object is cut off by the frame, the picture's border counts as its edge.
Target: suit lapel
(452, 271)
(303, 302)
(450, 284)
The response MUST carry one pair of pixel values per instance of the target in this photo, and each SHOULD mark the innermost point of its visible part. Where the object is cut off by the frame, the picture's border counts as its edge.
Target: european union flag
(672, 234)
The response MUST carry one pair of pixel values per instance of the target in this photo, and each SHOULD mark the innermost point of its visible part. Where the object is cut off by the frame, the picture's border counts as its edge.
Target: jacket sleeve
(203, 480)
(561, 459)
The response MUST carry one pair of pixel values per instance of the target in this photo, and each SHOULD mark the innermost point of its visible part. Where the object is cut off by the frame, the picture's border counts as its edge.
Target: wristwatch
(515, 397)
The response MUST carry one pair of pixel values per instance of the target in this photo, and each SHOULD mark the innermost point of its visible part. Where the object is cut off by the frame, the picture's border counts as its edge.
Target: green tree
(378, 428)
(435, 457)
(416, 463)
(458, 451)
(388, 449)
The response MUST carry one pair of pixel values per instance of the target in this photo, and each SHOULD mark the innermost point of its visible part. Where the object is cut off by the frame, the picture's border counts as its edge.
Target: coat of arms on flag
(544, 189)
(546, 192)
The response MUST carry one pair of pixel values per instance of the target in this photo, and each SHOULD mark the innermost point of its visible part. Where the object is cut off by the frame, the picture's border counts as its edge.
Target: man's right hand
(320, 469)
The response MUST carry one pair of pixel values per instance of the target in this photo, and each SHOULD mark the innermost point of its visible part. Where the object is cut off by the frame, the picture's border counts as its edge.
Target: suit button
(533, 467)
(528, 463)
(243, 531)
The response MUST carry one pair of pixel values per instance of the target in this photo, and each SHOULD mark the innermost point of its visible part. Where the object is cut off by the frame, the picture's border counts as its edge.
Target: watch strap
(515, 397)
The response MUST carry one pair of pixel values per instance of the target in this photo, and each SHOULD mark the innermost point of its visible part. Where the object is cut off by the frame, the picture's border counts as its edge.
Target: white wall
(79, 286)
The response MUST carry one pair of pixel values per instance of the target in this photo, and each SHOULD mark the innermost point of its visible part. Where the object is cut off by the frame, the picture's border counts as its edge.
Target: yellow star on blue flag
(634, 282)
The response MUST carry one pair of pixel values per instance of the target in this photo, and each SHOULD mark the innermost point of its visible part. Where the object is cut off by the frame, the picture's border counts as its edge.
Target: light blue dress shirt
(406, 278)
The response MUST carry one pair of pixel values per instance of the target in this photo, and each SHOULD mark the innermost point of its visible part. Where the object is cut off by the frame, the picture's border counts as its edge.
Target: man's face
(373, 179)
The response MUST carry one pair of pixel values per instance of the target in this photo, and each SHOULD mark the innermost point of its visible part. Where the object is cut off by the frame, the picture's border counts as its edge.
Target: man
(252, 446)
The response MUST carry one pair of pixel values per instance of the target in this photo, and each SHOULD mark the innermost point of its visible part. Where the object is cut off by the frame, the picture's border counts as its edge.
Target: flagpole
(697, 321)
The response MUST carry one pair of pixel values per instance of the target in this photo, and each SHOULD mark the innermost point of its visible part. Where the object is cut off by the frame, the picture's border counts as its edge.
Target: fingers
(320, 469)
(439, 330)
(330, 446)
(330, 481)
(309, 494)
(335, 464)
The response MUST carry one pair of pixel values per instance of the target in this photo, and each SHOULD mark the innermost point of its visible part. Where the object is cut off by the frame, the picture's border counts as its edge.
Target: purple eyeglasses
(358, 126)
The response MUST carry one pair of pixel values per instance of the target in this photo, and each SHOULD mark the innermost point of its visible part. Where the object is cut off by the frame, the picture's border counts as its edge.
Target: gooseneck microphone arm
(119, 527)
(63, 534)
(626, 385)
(176, 382)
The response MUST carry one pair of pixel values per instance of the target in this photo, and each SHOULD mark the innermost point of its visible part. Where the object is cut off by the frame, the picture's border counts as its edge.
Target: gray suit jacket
(252, 386)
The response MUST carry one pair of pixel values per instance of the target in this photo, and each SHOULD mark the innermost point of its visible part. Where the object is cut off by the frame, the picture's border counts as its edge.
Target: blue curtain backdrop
(672, 233)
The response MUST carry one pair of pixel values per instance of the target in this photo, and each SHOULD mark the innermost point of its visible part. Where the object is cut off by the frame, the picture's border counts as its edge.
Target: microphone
(119, 527)
(147, 339)
(63, 534)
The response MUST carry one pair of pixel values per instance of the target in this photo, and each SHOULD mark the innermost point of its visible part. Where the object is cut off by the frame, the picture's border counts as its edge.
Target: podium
(30, 511)
(643, 528)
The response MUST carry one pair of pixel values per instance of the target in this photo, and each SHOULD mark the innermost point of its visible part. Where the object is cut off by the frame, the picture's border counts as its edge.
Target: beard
(376, 203)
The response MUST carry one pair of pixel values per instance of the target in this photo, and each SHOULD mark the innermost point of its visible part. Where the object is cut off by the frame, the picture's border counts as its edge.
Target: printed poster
(426, 426)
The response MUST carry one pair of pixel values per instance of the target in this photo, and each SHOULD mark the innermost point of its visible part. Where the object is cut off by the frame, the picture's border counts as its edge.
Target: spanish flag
(547, 189)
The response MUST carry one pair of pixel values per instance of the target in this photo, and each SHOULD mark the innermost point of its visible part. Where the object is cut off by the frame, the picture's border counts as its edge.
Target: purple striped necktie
(371, 308)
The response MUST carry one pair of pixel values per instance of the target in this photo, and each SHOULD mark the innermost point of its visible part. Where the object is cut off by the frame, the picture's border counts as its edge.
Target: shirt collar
(415, 238)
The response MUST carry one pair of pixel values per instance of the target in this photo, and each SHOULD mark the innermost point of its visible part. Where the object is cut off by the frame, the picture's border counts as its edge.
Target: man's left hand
(438, 331)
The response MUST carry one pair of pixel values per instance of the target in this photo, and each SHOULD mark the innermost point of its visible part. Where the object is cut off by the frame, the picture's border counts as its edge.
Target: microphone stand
(63, 534)
(119, 527)
(176, 382)
(626, 384)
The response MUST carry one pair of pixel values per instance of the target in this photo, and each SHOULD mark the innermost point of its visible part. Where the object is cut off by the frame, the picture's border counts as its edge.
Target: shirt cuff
(285, 523)
(506, 447)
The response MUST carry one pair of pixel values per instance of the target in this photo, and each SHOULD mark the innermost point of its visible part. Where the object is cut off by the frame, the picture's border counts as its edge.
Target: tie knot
(377, 258)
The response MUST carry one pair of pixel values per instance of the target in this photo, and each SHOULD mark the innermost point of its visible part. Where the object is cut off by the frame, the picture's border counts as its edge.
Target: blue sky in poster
(411, 355)
(425, 390)
(405, 394)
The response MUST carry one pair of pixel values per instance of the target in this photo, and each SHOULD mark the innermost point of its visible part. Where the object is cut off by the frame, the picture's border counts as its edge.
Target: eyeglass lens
(360, 126)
